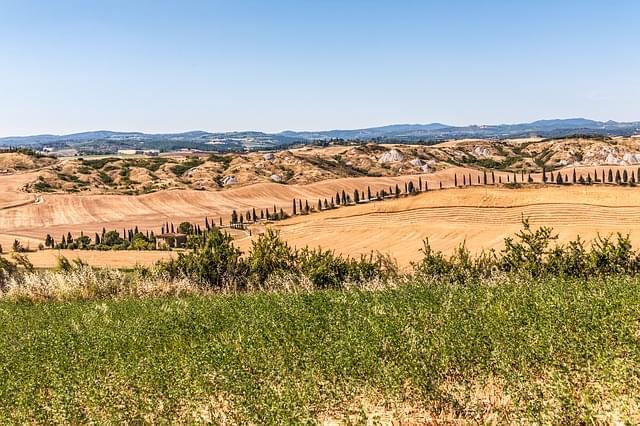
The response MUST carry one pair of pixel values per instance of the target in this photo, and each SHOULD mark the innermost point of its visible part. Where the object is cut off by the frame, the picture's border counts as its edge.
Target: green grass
(561, 350)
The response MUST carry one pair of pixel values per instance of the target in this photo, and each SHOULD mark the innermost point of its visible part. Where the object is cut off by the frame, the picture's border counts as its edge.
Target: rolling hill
(108, 141)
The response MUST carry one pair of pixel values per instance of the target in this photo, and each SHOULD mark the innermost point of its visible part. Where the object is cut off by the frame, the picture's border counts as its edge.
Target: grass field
(551, 351)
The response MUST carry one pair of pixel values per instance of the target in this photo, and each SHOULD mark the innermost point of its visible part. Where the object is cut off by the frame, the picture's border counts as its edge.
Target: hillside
(139, 175)
(110, 142)
(41, 195)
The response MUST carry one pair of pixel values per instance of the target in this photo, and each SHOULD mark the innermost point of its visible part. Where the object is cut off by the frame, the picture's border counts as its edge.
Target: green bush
(270, 255)
(7, 270)
(215, 262)
(530, 253)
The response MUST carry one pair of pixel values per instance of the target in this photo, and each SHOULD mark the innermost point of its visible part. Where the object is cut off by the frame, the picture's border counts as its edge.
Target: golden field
(481, 216)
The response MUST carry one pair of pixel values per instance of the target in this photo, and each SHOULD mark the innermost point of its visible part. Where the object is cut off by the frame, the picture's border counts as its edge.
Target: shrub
(608, 256)
(270, 255)
(525, 253)
(7, 270)
(215, 263)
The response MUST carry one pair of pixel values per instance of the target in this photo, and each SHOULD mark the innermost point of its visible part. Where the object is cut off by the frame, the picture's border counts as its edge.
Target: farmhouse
(171, 240)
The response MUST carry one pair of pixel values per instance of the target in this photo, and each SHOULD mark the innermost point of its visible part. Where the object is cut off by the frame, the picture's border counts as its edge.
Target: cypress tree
(440, 184)
(574, 176)
(368, 193)
(625, 176)
(306, 207)
(397, 191)
(294, 207)
(617, 176)
(478, 179)
(255, 219)
(356, 196)
(493, 178)
(411, 188)
(484, 177)
(633, 177)
(319, 205)
(221, 221)
(610, 176)
(500, 179)
(552, 177)
(544, 175)
(234, 217)
(464, 180)
(455, 180)
(406, 188)
(602, 175)
(559, 179)
(344, 198)
(420, 183)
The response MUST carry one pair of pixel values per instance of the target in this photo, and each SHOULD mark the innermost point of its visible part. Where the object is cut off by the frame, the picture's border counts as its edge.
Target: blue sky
(68, 66)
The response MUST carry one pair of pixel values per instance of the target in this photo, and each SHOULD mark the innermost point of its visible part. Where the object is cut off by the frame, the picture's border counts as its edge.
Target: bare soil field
(57, 214)
(99, 259)
(478, 217)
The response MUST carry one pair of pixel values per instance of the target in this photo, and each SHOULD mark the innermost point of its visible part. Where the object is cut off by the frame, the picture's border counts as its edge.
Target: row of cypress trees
(113, 239)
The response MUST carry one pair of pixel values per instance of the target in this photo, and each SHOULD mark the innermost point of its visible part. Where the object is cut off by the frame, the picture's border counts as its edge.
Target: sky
(171, 66)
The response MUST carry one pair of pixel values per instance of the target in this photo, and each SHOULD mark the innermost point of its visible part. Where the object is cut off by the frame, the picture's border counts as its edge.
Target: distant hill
(107, 141)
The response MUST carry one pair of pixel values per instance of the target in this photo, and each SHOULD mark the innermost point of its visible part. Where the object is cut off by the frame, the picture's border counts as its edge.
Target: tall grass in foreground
(547, 350)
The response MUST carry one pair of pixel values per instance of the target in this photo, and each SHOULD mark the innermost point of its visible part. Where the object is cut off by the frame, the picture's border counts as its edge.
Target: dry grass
(86, 283)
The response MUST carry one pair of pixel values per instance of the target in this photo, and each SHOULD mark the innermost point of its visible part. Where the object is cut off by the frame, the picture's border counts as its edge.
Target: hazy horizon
(169, 67)
(301, 130)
